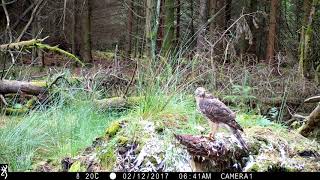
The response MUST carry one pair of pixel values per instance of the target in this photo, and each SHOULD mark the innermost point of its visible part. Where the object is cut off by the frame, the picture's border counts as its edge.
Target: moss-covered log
(312, 122)
(56, 49)
(20, 45)
(12, 86)
(37, 43)
(117, 102)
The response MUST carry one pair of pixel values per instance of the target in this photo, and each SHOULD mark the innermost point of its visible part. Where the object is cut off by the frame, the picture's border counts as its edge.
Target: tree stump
(208, 155)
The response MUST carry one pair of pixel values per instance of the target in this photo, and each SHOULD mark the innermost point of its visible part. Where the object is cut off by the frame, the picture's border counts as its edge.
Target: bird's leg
(214, 129)
(211, 136)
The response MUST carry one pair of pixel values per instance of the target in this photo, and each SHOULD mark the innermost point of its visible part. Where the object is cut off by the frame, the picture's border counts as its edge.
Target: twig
(312, 99)
(132, 78)
(39, 2)
(62, 76)
(3, 100)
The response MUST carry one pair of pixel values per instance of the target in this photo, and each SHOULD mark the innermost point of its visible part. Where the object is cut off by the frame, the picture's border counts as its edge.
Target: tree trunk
(87, 32)
(168, 43)
(272, 32)
(160, 35)
(148, 26)
(202, 26)
(75, 29)
(228, 13)
(217, 25)
(178, 5)
(298, 20)
(39, 51)
(306, 38)
(192, 28)
(129, 29)
(247, 46)
(318, 75)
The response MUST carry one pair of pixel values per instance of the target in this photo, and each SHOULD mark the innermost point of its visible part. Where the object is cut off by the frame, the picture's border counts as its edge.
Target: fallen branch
(313, 99)
(312, 122)
(11, 86)
(37, 43)
(20, 45)
(56, 49)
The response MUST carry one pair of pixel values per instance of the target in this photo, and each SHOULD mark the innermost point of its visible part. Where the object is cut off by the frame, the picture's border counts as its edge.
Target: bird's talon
(211, 137)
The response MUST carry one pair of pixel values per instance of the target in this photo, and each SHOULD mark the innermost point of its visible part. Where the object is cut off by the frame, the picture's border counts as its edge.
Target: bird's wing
(217, 111)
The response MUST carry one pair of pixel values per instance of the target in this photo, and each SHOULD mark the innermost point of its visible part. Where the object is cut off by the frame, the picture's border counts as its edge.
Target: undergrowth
(73, 121)
(62, 130)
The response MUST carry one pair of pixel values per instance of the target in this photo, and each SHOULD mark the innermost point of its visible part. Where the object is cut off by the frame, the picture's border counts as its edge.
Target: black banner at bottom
(157, 175)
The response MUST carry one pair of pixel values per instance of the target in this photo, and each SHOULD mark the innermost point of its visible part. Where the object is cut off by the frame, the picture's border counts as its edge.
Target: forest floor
(73, 133)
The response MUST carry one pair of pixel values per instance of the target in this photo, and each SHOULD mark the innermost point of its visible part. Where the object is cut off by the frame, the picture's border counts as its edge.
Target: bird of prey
(216, 112)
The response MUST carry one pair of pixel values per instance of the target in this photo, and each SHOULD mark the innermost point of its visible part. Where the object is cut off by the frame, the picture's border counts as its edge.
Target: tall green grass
(64, 129)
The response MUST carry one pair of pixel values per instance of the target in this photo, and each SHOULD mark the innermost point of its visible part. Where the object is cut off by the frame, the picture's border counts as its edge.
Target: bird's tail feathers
(240, 139)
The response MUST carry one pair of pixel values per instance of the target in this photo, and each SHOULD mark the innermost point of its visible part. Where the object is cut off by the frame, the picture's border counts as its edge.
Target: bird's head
(200, 92)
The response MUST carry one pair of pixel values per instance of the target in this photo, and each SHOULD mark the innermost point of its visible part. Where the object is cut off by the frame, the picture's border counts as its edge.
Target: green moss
(122, 140)
(117, 102)
(30, 103)
(105, 55)
(108, 159)
(159, 127)
(255, 147)
(113, 129)
(76, 167)
(254, 168)
(296, 125)
(56, 49)
(14, 111)
(39, 83)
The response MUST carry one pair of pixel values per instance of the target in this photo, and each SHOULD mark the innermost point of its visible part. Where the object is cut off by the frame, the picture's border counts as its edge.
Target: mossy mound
(137, 145)
(281, 150)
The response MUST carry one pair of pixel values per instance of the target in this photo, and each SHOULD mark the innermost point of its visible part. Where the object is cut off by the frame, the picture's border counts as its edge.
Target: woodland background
(125, 71)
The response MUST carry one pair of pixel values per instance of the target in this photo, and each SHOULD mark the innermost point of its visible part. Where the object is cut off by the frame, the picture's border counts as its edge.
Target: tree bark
(168, 43)
(129, 29)
(148, 26)
(178, 17)
(87, 32)
(75, 32)
(202, 26)
(11, 86)
(228, 13)
(272, 32)
(312, 122)
(160, 35)
(247, 46)
(306, 39)
(192, 28)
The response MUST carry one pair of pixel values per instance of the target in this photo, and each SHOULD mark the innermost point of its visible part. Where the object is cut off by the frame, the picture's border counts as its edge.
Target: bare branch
(39, 2)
